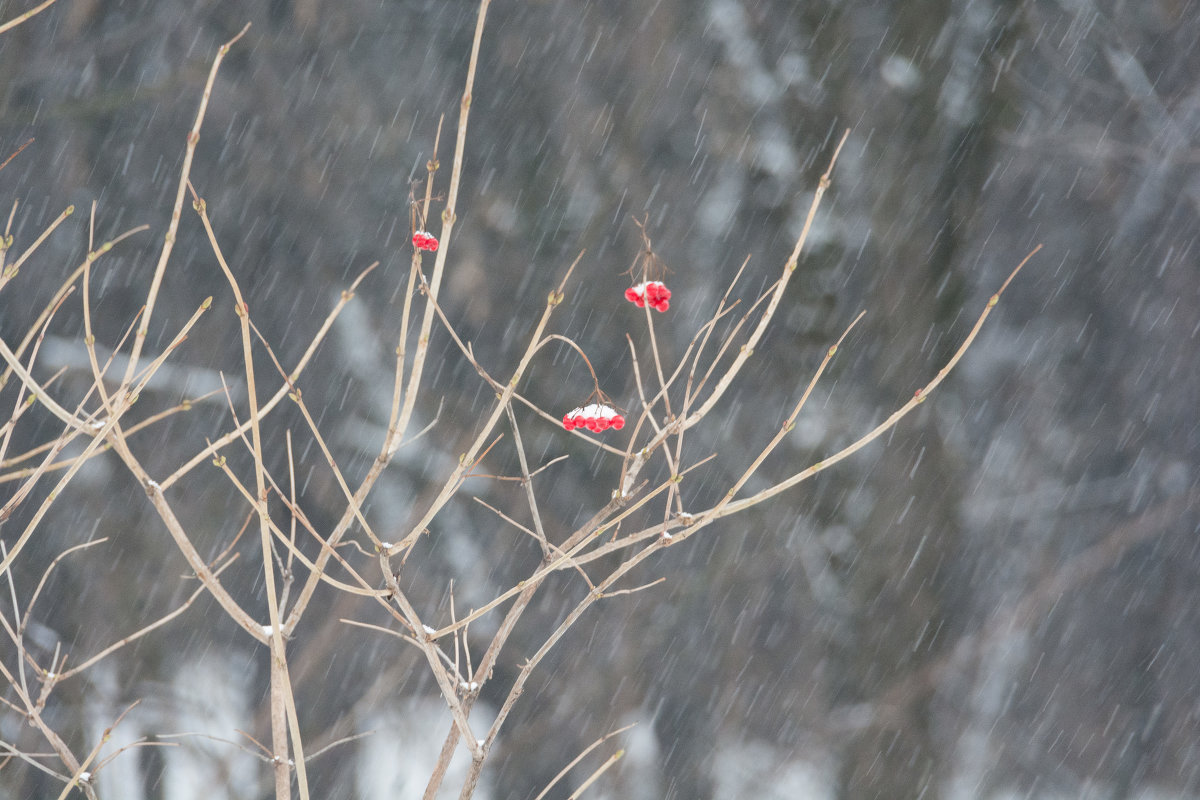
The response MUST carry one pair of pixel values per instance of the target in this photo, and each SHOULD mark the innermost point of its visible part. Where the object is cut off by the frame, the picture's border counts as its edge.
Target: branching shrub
(298, 557)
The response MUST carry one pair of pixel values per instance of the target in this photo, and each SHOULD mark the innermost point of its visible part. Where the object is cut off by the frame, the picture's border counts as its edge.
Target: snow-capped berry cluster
(595, 417)
(650, 293)
(422, 240)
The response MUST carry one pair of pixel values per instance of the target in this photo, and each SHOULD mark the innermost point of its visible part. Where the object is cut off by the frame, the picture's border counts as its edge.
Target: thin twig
(562, 773)
(181, 191)
(727, 506)
(318, 338)
(17, 20)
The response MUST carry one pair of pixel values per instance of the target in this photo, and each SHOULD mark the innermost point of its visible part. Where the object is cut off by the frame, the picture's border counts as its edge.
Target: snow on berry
(595, 417)
(423, 240)
(652, 293)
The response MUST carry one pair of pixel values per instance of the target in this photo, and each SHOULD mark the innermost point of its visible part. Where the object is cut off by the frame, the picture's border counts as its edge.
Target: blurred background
(997, 600)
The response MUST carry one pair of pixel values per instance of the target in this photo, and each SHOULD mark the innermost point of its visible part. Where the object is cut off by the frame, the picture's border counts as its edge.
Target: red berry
(636, 295)
(618, 422)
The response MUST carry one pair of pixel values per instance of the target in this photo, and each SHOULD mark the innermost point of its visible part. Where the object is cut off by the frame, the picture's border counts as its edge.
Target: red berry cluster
(650, 293)
(595, 418)
(425, 241)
